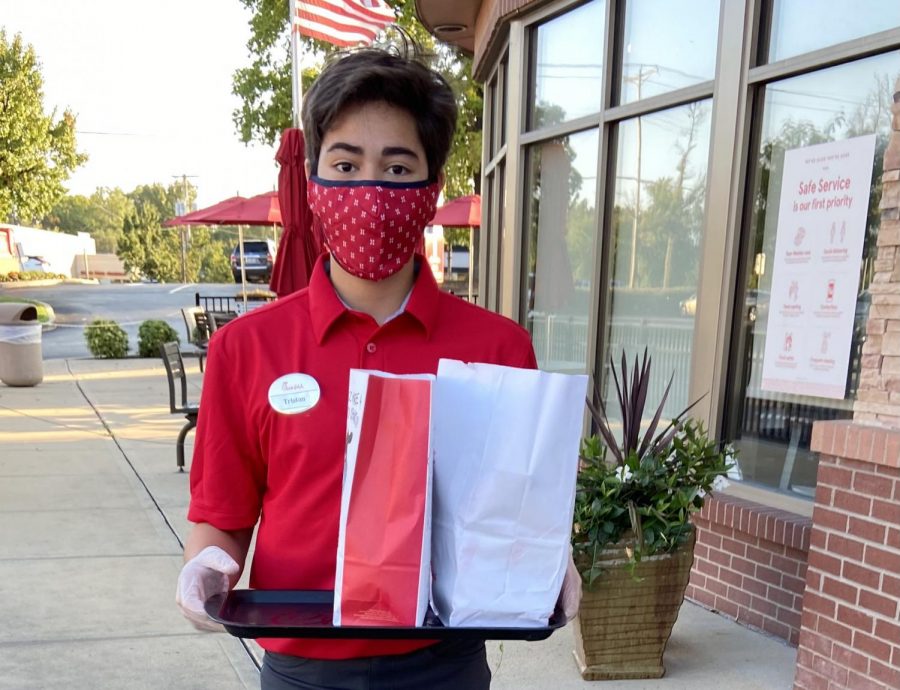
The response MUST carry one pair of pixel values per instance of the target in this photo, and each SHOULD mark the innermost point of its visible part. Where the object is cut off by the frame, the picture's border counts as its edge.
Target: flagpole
(296, 79)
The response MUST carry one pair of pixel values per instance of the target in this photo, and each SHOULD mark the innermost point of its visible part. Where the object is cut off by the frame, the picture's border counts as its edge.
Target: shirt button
(370, 348)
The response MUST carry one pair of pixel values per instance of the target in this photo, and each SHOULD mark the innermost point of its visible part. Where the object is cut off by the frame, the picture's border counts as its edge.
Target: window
(561, 227)
(668, 44)
(488, 238)
(495, 111)
(772, 429)
(799, 26)
(657, 228)
(567, 66)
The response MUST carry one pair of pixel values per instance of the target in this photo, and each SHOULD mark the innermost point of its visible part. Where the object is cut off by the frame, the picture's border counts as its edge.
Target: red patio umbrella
(261, 209)
(464, 211)
(299, 247)
(198, 217)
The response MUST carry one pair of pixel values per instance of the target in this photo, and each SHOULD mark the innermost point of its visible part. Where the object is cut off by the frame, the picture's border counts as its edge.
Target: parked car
(756, 303)
(35, 263)
(259, 257)
(689, 305)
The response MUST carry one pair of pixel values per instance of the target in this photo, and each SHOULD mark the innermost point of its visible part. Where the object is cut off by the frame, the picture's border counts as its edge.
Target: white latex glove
(570, 595)
(204, 575)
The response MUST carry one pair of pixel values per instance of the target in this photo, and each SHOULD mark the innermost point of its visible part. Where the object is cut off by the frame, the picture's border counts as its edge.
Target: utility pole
(184, 229)
(635, 222)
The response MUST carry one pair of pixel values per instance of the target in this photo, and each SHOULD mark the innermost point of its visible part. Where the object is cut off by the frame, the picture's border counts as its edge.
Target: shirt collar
(326, 307)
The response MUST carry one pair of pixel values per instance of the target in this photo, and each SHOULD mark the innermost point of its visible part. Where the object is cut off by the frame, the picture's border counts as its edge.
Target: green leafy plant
(153, 333)
(106, 339)
(641, 489)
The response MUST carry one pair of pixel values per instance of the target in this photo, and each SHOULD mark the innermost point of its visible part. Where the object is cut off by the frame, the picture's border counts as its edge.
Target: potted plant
(632, 537)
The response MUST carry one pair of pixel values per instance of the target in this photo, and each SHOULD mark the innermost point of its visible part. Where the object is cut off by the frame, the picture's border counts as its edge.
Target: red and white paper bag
(505, 463)
(384, 543)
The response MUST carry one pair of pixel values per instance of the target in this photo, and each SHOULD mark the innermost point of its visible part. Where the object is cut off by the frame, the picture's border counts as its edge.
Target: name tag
(294, 393)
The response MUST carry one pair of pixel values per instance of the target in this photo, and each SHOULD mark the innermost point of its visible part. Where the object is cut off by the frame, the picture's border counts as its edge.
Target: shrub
(19, 276)
(106, 339)
(152, 334)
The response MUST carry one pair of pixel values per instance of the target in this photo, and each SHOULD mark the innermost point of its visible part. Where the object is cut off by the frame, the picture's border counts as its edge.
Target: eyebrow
(399, 151)
(386, 151)
(342, 146)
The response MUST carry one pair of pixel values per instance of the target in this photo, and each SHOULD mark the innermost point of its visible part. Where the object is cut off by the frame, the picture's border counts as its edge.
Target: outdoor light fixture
(450, 28)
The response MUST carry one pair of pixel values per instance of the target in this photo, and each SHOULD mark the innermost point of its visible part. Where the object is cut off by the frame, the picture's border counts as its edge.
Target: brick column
(850, 632)
(878, 396)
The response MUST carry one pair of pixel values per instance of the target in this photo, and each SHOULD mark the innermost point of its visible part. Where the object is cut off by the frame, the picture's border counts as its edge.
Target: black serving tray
(308, 613)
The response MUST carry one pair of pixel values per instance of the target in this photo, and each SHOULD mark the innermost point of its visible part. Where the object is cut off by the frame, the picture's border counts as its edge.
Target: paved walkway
(92, 516)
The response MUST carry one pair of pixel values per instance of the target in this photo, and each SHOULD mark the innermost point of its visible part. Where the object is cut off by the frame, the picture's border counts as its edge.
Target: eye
(398, 169)
(344, 167)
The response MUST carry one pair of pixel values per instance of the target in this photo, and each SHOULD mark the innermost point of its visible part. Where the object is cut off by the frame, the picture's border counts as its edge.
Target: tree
(101, 215)
(264, 87)
(162, 198)
(146, 248)
(155, 252)
(37, 151)
(208, 258)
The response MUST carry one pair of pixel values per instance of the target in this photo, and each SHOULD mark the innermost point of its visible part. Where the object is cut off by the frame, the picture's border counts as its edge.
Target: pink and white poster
(815, 272)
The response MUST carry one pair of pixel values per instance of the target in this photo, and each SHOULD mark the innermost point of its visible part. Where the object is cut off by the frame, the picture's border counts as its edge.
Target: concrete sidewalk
(92, 516)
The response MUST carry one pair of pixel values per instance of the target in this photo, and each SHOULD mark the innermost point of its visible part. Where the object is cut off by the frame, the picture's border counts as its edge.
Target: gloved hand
(570, 595)
(204, 575)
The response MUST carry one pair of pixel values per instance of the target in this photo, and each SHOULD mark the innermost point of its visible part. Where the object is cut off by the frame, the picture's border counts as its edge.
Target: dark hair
(371, 75)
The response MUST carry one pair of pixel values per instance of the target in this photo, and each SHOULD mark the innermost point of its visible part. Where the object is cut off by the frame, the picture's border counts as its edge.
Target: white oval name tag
(294, 393)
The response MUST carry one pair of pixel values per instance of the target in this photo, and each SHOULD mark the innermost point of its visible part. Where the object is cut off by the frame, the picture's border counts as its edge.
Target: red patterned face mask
(371, 227)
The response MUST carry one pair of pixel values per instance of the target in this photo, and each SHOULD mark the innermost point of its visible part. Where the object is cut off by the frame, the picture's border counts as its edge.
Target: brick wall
(850, 635)
(750, 564)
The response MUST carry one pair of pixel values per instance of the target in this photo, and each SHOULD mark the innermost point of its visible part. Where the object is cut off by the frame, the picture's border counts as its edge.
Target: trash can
(21, 360)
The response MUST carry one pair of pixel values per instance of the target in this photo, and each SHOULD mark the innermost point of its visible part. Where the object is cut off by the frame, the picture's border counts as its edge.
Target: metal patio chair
(174, 364)
(196, 323)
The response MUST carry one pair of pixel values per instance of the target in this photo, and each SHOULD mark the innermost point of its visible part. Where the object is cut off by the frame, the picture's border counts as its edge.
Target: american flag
(342, 22)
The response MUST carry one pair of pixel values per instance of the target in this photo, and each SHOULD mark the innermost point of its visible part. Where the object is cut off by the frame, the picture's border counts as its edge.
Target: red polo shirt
(251, 462)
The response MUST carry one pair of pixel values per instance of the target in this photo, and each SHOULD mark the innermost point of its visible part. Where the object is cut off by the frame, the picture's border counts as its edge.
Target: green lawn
(45, 312)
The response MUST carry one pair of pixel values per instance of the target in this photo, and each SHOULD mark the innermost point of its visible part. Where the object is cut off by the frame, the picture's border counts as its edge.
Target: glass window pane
(799, 26)
(568, 66)
(668, 44)
(494, 240)
(493, 116)
(657, 226)
(562, 230)
(499, 228)
(502, 90)
(495, 113)
(772, 429)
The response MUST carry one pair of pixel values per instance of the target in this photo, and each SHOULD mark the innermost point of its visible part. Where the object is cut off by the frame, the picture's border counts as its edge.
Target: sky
(150, 85)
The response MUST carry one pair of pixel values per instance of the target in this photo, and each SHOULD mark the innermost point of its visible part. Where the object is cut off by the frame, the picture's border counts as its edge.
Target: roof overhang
(450, 22)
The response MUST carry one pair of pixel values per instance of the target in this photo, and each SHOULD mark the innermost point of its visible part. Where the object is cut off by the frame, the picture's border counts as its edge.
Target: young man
(378, 130)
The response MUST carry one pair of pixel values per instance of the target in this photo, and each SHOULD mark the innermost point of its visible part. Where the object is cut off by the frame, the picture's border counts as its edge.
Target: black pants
(449, 665)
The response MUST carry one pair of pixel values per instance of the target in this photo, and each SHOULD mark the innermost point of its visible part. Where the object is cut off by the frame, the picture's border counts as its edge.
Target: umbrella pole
(243, 268)
(471, 260)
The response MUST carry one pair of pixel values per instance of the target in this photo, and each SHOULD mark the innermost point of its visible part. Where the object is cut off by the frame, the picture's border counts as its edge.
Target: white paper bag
(505, 462)
(383, 568)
